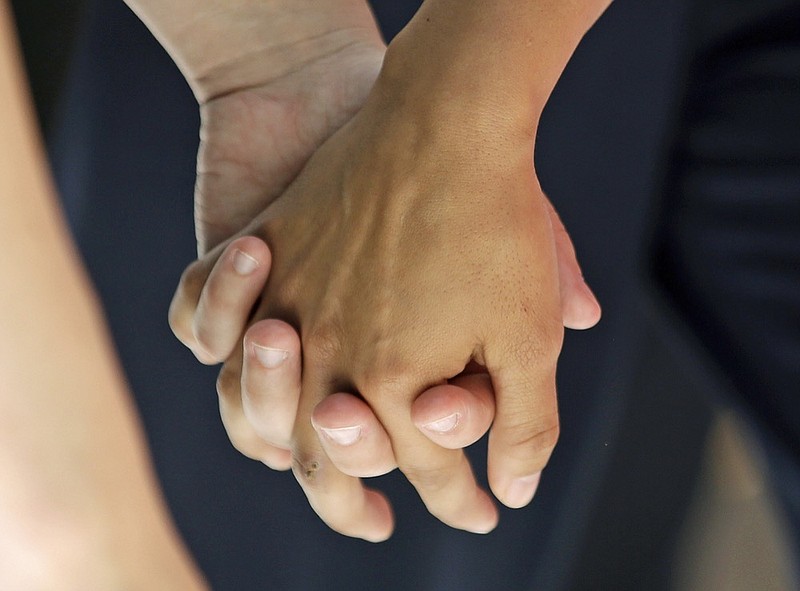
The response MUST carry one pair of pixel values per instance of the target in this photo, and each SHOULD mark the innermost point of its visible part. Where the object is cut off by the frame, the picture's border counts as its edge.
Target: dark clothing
(728, 248)
(47, 31)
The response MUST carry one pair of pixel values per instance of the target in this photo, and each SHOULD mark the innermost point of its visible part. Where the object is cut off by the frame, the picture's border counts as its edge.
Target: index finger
(526, 425)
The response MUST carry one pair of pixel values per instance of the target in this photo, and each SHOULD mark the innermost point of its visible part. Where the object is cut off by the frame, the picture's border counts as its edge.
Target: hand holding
(506, 122)
(292, 212)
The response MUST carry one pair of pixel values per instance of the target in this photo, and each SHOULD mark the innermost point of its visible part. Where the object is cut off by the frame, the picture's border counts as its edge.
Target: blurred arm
(79, 505)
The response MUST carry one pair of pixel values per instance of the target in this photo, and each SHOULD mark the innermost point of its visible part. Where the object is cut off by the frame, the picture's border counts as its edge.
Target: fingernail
(244, 263)
(520, 492)
(443, 425)
(270, 357)
(343, 435)
(484, 529)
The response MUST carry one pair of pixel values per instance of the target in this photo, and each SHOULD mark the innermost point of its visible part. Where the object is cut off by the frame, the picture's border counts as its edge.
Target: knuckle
(428, 479)
(241, 435)
(534, 438)
(323, 341)
(526, 352)
(539, 350)
(272, 425)
(553, 336)
(216, 296)
(193, 278)
(180, 323)
(184, 302)
(228, 383)
(246, 443)
(389, 374)
(208, 341)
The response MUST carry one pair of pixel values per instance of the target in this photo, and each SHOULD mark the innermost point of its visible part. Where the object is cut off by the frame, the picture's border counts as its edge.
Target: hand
(274, 79)
(265, 110)
(220, 309)
(496, 354)
(272, 382)
(452, 416)
(254, 141)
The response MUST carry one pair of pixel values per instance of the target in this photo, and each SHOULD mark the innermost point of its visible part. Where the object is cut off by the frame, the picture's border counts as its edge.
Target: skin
(410, 195)
(267, 102)
(79, 504)
(274, 79)
(251, 149)
(271, 385)
(333, 278)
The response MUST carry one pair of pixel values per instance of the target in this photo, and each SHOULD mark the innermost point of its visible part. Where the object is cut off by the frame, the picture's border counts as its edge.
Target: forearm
(224, 44)
(79, 506)
(503, 56)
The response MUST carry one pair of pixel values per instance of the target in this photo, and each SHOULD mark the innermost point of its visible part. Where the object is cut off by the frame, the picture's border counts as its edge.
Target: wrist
(266, 61)
(426, 71)
(444, 106)
(503, 58)
(225, 45)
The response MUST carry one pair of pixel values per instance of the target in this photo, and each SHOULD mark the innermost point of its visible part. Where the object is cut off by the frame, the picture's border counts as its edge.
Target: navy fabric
(728, 250)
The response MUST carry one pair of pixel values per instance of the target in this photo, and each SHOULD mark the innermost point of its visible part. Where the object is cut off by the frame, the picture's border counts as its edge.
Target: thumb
(579, 307)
